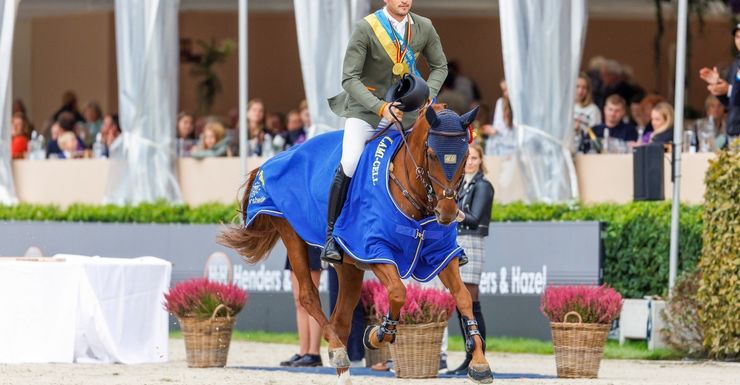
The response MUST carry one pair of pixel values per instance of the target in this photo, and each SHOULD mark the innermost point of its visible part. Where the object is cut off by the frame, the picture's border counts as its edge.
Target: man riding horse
(399, 220)
(382, 49)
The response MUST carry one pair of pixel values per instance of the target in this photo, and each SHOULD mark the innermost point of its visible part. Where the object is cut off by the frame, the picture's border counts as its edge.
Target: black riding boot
(337, 195)
(463, 368)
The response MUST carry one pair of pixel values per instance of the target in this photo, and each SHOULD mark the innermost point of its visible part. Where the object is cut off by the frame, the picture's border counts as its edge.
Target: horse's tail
(253, 243)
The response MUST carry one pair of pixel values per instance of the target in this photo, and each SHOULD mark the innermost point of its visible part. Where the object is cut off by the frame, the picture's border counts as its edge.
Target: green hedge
(636, 242)
(719, 291)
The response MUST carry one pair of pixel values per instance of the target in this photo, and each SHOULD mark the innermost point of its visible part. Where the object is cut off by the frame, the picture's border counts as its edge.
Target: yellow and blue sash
(385, 34)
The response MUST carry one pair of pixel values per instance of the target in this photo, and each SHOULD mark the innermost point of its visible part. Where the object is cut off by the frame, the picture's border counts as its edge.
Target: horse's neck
(405, 171)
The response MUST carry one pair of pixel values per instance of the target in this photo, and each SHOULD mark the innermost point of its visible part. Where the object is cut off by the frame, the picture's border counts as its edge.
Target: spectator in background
(714, 122)
(214, 142)
(727, 90)
(614, 127)
(92, 124)
(69, 145)
(639, 118)
(111, 130)
(305, 117)
(185, 133)
(475, 202)
(69, 104)
(309, 331)
(462, 84)
(585, 114)
(502, 140)
(20, 132)
(295, 134)
(232, 130)
(661, 118)
(255, 126)
(274, 141)
(647, 104)
(65, 123)
(612, 82)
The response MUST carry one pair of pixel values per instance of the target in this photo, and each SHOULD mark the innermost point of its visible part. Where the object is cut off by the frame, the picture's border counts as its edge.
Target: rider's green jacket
(367, 70)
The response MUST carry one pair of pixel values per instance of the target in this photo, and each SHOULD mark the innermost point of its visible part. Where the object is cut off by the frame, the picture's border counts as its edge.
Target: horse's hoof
(480, 373)
(338, 358)
(366, 338)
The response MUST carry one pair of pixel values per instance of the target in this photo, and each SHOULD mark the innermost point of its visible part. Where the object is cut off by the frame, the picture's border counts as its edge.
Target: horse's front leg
(376, 336)
(479, 370)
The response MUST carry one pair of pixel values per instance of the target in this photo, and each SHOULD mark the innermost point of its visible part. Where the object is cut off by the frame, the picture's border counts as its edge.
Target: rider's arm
(437, 61)
(354, 62)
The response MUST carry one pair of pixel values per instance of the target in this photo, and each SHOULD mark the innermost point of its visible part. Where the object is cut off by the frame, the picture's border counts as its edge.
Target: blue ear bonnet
(450, 150)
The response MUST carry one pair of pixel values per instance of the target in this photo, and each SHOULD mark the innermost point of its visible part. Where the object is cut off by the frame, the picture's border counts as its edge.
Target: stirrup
(470, 332)
(383, 330)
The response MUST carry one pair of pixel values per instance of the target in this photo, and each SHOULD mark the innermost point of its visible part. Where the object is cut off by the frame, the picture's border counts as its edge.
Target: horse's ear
(431, 117)
(469, 116)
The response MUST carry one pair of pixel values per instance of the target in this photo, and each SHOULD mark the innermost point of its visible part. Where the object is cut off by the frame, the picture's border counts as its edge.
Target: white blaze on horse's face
(447, 152)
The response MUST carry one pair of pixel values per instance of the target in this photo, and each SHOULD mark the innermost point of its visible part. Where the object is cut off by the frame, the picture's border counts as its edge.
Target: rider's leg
(356, 133)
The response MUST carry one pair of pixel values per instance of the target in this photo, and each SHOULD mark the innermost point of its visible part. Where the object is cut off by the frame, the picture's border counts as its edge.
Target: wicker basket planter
(207, 340)
(578, 346)
(416, 350)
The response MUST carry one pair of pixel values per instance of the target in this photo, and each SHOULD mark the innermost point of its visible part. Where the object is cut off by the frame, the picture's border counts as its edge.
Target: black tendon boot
(463, 368)
(337, 195)
(478, 314)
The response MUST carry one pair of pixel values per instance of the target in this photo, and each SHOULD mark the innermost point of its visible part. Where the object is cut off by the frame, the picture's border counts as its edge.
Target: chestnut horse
(425, 184)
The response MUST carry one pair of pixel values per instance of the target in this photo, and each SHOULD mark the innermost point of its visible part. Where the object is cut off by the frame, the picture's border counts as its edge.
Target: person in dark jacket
(727, 90)
(474, 201)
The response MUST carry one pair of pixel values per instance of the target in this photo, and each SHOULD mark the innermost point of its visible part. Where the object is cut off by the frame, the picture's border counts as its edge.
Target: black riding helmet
(411, 92)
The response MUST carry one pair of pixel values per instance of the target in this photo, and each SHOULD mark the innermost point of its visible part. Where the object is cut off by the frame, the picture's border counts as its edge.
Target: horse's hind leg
(376, 336)
(479, 370)
(309, 293)
(350, 286)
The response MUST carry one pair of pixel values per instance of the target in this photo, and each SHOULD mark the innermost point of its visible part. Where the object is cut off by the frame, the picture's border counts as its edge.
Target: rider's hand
(387, 113)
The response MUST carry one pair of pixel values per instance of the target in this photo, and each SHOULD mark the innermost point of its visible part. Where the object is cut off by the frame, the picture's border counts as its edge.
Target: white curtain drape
(324, 28)
(142, 167)
(542, 44)
(8, 10)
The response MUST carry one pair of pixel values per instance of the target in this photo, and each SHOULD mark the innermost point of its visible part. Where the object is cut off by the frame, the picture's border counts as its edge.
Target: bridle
(424, 175)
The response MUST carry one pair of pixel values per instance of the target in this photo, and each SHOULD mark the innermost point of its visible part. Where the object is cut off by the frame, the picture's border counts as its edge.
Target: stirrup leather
(470, 332)
(383, 330)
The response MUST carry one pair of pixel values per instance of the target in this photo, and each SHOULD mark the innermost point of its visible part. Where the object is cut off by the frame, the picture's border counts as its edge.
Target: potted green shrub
(580, 319)
(206, 311)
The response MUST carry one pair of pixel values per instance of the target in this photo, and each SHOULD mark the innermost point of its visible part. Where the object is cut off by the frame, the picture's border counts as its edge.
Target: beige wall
(601, 178)
(73, 52)
(78, 52)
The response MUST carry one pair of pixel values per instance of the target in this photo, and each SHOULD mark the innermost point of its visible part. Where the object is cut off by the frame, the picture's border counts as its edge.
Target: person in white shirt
(585, 114)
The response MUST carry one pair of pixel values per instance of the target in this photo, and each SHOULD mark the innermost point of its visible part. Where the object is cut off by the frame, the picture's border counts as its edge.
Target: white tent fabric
(8, 10)
(324, 28)
(142, 167)
(542, 43)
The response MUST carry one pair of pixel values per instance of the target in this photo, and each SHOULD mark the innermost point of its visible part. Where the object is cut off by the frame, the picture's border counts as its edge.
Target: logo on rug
(379, 154)
(257, 194)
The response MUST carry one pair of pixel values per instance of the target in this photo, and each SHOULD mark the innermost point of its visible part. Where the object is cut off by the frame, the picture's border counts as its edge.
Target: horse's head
(446, 152)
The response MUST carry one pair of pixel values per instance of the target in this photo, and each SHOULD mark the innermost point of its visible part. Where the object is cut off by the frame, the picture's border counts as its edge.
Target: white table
(71, 308)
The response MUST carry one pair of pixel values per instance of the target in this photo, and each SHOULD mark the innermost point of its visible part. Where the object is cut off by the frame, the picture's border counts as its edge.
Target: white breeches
(356, 133)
